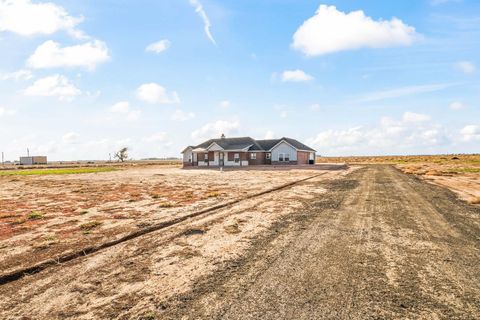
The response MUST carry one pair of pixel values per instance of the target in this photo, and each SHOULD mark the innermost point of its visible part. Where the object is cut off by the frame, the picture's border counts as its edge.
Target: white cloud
(70, 137)
(269, 135)
(21, 74)
(390, 136)
(123, 107)
(26, 18)
(283, 114)
(51, 55)
(314, 107)
(53, 86)
(180, 115)
(6, 112)
(401, 92)
(158, 46)
(206, 22)
(296, 76)
(134, 115)
(120, 107)
(156, 137)
(415, 117)
(471, 132)
(466, 67)
(156, 94)
(225, 104)
(215, 130)
(456, 105)
(330, 30)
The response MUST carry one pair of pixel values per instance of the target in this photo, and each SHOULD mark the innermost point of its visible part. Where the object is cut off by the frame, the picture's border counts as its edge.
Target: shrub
(35, 215)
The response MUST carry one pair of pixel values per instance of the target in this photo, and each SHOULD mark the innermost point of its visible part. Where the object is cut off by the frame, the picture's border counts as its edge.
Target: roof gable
(249, 144)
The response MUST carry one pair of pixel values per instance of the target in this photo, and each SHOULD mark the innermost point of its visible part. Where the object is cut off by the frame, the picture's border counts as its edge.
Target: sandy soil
(370, 242)
(134, 277)
(81, 210)
(459, 173)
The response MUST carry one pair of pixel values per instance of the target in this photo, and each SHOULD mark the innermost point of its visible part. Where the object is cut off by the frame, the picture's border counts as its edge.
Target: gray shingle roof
(244, 142)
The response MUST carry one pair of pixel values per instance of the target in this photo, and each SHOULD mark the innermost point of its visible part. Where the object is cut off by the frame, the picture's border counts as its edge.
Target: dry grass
(35, 215)
(166, 204)
(213, 194)
(54, 171)
(90, 225)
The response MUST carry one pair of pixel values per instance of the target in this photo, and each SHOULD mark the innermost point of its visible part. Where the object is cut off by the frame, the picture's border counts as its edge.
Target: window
(189, 158)
(253, 156)
(268, 155)
(283, 157)
(205, 157)
(236, 157)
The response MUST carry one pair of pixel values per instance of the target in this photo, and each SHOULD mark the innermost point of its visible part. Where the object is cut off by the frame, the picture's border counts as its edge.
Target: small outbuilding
(31, 160)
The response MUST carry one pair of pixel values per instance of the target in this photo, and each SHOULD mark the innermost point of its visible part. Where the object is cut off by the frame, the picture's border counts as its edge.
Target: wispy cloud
(206, 22)
(403, 91)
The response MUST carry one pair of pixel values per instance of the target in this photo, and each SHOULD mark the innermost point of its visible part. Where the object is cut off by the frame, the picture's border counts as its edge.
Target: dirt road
(389, 246)
(375, 243)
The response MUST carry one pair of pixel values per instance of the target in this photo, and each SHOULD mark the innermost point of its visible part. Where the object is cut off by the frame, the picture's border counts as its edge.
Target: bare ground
(375, 243)
(77, 211)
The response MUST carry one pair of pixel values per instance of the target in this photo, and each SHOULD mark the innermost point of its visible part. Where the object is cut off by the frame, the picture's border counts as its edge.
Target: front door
(268, 158)
(220, 161)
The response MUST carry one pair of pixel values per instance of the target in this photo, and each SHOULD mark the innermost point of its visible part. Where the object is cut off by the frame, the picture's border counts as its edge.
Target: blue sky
(80, 79)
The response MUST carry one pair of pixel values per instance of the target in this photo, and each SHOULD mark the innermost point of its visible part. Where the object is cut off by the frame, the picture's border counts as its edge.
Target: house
(245, 151)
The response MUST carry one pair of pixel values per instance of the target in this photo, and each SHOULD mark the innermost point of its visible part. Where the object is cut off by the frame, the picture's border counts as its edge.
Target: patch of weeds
(213, 194)
(55, 171)
(90, 225)
(166, 204)
(51, 239)
(466, 170)
(35, 215)
(149, 316)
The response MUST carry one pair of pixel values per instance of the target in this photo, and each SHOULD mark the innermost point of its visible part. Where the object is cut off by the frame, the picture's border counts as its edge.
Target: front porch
(204, 158)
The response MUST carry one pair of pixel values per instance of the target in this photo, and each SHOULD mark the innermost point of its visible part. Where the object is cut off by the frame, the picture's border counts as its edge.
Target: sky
(81, 79)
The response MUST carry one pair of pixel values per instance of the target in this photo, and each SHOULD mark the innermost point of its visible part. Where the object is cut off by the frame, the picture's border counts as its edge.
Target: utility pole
(28, 153)
(2, 158)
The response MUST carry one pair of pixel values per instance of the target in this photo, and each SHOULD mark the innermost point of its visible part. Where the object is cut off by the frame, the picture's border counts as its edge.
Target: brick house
(245, 151)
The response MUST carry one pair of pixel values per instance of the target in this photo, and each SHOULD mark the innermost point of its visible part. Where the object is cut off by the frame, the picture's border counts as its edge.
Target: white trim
(286, 143)
(214, 143)
(246, 148)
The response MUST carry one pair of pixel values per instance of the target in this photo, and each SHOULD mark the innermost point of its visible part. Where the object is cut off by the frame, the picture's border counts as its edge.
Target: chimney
(223, 136)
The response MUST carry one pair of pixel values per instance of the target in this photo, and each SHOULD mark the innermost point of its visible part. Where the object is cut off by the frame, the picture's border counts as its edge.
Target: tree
(122, 154)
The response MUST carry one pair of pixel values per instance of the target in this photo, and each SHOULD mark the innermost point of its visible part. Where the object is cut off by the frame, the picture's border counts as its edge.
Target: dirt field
(367, 242)
(459, 173)
(47, 216)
